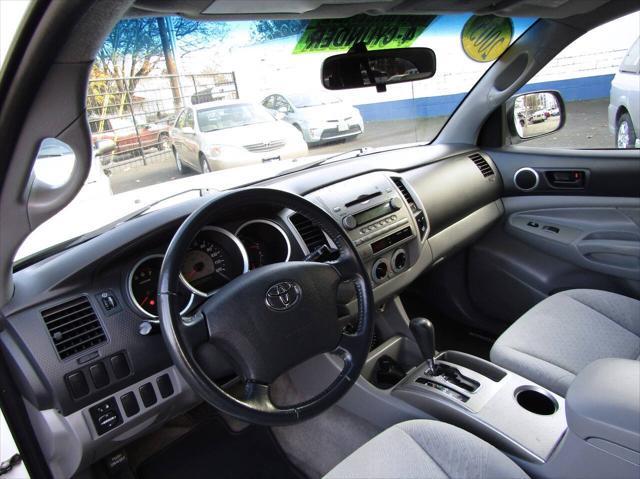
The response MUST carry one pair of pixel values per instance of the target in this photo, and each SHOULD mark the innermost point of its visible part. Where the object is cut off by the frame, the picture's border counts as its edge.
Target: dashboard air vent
(482, 164)
(310, 232)
(73, 326)
(403, 190)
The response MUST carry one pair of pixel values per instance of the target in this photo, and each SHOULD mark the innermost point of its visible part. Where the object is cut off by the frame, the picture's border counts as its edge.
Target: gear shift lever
(425, 335)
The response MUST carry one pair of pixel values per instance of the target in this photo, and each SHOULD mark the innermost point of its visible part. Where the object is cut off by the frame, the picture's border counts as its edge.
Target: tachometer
(214, 258)
(265, 242)
(143, 287)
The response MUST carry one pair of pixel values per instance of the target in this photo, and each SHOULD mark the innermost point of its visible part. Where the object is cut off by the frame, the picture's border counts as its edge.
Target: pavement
(586, 127)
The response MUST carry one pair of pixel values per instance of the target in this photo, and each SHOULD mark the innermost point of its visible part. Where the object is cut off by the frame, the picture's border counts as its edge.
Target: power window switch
(552, 229)
(533, 224)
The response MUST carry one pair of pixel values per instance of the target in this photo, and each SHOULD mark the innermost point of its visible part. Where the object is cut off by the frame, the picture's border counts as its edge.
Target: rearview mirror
(535, 114)
(360, 68)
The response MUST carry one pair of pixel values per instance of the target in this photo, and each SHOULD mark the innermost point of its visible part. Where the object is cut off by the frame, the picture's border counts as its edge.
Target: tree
(264, 30)
(133, 49)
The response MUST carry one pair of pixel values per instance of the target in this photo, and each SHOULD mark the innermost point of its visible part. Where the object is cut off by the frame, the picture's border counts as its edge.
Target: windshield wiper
(57, 248)
(345, 155)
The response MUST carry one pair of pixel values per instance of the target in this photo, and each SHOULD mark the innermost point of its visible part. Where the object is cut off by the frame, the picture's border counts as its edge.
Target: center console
(503, 408)
(383, 219)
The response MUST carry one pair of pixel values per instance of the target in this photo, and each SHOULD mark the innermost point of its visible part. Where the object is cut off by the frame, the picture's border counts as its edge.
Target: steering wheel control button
(120, 366)
(148, 395)
(130, 404)
(99, 375)
(164, 386)
(105, 416)
(283, 296)
(77, 384)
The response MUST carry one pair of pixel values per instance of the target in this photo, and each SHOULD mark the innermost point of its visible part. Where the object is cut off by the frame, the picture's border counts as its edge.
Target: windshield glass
(232, 116)
(302, 100)
(214, 105)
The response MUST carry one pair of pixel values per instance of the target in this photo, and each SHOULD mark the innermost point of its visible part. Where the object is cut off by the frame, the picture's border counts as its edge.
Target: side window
(268, 102)
(180, 120)
(597, 77)
(281, 102)
(188, 121)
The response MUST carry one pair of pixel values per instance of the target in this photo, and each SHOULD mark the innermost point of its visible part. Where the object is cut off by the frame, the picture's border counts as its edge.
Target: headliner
(308, 9)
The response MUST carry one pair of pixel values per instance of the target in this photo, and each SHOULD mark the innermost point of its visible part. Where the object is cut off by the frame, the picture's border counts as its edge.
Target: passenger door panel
(554, 238)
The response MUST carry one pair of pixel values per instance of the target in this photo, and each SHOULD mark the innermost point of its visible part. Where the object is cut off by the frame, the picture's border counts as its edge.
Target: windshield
(300, 100)
(229, 103)
(232, 116)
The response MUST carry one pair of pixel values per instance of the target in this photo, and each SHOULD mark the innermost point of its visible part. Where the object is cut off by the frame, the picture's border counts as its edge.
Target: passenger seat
(559, 336)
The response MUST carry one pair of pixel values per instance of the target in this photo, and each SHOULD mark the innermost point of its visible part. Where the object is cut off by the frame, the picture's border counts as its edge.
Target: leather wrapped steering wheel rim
(261, 340)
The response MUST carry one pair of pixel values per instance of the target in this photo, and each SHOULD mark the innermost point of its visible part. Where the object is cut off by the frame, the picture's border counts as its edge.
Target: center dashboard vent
(310, 232)
(73, 327)
(482, 164)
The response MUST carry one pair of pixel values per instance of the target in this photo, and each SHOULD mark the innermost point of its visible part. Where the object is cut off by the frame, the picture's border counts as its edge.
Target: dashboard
(82, 329)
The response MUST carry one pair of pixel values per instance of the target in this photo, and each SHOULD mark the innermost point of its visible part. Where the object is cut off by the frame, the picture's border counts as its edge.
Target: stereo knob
(395, 203)
(349, 222)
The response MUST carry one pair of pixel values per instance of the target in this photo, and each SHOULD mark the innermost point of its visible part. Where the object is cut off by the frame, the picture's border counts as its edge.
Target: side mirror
(535, 114)
(279, 115)
(187, 130)
(360, 68)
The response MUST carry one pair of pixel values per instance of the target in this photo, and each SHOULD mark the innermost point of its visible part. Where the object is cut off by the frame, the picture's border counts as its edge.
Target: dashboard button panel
(120, 366)
(164, 386)
(77, 384)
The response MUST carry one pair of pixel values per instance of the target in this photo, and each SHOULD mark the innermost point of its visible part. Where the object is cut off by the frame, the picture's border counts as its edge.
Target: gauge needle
(146, 298)
(223, 275)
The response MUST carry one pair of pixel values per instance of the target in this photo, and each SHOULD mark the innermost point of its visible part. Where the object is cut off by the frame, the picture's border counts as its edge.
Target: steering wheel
(270, 319)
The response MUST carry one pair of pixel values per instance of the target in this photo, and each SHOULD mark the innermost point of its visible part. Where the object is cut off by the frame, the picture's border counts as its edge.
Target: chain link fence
(136, 113)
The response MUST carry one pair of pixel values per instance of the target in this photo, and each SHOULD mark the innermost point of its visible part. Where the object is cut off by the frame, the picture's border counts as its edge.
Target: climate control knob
(395, 203)
(349, 222)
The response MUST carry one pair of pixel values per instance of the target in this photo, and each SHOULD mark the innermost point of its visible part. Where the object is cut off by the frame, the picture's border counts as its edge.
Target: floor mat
(213, 451)
(450, 335)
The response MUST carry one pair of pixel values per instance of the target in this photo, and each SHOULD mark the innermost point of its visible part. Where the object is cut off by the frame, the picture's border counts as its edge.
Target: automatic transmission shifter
(425, 335)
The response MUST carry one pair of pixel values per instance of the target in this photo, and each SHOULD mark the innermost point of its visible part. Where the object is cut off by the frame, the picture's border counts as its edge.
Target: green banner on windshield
(377, 33)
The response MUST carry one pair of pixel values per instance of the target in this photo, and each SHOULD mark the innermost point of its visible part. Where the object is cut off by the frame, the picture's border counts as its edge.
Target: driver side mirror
(534, 114)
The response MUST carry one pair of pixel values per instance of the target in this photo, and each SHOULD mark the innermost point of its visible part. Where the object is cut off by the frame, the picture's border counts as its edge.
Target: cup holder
(536, 400)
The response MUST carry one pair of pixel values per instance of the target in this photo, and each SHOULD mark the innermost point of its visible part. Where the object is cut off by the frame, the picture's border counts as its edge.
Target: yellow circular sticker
(486, 37)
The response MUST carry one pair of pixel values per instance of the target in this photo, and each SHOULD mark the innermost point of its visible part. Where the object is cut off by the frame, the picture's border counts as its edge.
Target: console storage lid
(603, 402)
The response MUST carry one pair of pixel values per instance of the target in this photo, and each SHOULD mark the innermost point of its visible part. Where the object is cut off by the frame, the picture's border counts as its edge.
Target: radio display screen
(373, 214)
(391, 239)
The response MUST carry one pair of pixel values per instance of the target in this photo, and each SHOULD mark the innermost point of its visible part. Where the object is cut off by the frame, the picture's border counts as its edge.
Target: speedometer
(143, 287)
(214, 258)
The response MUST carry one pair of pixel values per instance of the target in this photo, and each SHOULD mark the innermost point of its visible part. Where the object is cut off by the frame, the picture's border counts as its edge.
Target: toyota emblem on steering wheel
(284, 295)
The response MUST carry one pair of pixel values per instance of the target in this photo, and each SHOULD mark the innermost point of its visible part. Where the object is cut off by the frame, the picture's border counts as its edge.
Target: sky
(11, 13)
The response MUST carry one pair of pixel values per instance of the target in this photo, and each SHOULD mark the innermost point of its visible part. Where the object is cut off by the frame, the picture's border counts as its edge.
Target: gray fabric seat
(559, 336)
(424, 449)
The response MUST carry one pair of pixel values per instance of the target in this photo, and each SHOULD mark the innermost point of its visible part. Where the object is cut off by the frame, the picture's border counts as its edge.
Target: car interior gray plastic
(603, 402)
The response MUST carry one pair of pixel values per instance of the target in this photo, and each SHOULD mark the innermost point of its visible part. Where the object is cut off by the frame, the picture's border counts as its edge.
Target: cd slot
(362, 199)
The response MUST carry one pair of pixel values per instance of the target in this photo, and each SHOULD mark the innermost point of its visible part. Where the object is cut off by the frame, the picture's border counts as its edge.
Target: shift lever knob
(425, 335)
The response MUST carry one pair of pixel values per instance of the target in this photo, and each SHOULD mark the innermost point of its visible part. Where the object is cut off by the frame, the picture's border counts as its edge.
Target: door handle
(566, 178)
